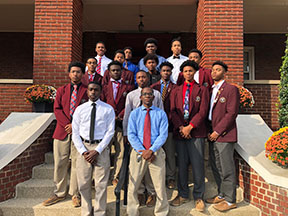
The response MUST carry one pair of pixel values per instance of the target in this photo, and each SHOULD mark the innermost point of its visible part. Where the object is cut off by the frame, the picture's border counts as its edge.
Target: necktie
(147, 131)
(116, 89)
(186, 102)
(73, 100)
(164, 91)
(98, 68)
(92, 122)
(90, 77)
(176, 57)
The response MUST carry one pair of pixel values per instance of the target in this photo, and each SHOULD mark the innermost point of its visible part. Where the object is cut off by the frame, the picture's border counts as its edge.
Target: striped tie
(164, 91)
(73, 100)
(98, 68)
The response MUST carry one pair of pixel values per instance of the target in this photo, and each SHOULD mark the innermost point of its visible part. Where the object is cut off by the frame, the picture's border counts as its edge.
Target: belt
(91, 141)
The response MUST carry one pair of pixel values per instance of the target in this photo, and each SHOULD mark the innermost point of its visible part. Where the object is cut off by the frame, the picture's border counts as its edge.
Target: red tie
(98, 68)
(147, 131)
(73, 100)
(90, 77)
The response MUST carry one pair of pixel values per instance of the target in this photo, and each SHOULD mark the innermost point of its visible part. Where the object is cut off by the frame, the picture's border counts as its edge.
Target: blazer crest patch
(222, 100)
(127, 81)
(124, 94)
(205, 84)
(198, 99)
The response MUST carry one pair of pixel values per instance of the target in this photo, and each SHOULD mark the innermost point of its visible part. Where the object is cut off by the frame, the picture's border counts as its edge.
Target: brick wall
(272, 200)
(268, 48)
(12, 100)
(57, 39)
(266, 98)
(16, 60)
(220, 35)
(20, 169)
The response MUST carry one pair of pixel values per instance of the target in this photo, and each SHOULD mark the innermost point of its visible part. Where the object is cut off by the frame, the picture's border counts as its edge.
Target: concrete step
(43, 171)
(35, 188)
(49, 158)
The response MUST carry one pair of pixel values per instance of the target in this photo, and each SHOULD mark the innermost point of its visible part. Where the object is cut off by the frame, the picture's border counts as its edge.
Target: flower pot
(42, 107)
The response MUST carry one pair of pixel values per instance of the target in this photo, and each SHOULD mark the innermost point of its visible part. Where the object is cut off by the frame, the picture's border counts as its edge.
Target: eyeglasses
(147, 94)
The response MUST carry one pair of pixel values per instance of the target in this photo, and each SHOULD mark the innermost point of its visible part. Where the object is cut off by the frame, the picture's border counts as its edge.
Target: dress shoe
(199, 205)
(171, 184)
(177, 201)
(224, 206)
(214, 200)
(141, 199)
(52, 200)
(151, 200)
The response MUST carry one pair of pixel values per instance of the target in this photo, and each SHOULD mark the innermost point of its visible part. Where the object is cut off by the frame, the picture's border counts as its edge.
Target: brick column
(220, 35)
(57, 39)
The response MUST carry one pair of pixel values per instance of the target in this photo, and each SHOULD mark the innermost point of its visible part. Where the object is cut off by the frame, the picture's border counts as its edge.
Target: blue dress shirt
(143, 67)
(132, 67)
(159, 128)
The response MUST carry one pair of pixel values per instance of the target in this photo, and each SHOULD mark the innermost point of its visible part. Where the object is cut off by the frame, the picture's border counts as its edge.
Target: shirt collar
(96, 102)
(185, 83)
(113, 80)
(218, 85)
(144, 108)
(162, 82)
(78, 85)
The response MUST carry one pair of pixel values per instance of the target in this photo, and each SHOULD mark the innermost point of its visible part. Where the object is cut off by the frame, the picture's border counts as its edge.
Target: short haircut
(100, 42)
(145, 88)
(166, 63)
(150, 57)
(150, 40)
(114, 63)
(77, 64)
(130, 48)
(119, 51)
(96, 83)
(176, 39)
(189, 63)
(142, 71)
(91, 58)
(221, 64)
(196, 51)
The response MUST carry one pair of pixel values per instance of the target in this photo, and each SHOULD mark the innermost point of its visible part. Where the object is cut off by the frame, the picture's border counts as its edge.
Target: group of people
(160, 108)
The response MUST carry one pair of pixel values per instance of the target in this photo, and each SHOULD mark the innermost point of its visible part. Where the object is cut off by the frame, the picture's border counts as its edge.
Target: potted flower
(246, 97)
(276, 147)
(41, 97)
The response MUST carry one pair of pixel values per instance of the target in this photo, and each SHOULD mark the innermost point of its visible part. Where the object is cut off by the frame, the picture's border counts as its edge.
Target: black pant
(191, 150)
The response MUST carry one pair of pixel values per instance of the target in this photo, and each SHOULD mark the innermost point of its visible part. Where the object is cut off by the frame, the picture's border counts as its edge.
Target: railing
(123, 180)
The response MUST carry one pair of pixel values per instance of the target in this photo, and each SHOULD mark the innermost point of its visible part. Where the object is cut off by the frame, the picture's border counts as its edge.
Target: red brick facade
(270, 199)
(57, 39)
(220, 35)
(20, 169)
(266, 99)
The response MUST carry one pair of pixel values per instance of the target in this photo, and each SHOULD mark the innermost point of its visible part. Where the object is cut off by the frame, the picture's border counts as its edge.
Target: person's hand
(185, 131)
(146, 154)
(91, 156)
(68, 128)
(213, 137)
(152, 158)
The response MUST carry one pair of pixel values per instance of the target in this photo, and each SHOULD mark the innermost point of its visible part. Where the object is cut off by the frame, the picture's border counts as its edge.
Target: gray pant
(191, 150)
(223, 167)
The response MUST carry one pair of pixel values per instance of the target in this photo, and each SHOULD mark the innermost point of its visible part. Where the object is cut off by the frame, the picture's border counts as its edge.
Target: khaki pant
(119, 151)
(157, 171)
(169, 148)
(63, 150)
(100, 173)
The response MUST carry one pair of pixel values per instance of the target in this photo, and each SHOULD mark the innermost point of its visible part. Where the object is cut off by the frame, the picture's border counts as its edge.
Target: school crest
(127, 81)
(205, 84)
(222, 100)
(124, 94)
(198, 99)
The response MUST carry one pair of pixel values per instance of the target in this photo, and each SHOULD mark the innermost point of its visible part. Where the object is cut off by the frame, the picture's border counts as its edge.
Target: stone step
(49, 158)
(43, 171)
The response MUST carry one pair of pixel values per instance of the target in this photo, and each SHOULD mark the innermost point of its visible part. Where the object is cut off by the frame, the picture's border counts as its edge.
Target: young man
(189, 108)
(165, 87)
(93, 128)
(91, 75)
(176, 59)
(150, 62)
(223, 112)
(147, 132)
(114, 93)
(151, 47)
(102, 60)
(68, 97)
(127, 76)
(132, 102)
(203, 75)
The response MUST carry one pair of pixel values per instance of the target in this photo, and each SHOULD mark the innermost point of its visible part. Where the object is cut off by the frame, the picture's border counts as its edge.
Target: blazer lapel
(194, 94)
(80, 94)
(110, 93)
(120, 91)
(168, 90)
(66, 100)
(201, 76)
(219, 93)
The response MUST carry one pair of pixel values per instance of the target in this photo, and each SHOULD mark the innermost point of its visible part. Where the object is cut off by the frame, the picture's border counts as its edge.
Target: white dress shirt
(176, 63)
(114, 86)
(104, 63)
(196, 76)
(133, 101)
(104, 125)
(213, 97)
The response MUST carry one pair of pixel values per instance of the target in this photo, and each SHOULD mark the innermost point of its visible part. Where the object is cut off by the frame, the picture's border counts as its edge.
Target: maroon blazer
(119, 103)
(126, 76)
(224, 113)
(204, 78)
(198, 110)
(97, 78)
(62, 108)
(166, 102)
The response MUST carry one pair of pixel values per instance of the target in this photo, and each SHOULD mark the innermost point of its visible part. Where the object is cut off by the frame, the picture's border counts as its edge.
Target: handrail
(123, 180)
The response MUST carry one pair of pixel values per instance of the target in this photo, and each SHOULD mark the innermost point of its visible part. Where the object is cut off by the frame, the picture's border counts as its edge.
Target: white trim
(262, 82)
(17, 81)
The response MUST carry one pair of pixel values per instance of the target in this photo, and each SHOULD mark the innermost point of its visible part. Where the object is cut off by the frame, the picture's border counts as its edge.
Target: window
(248, 64)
